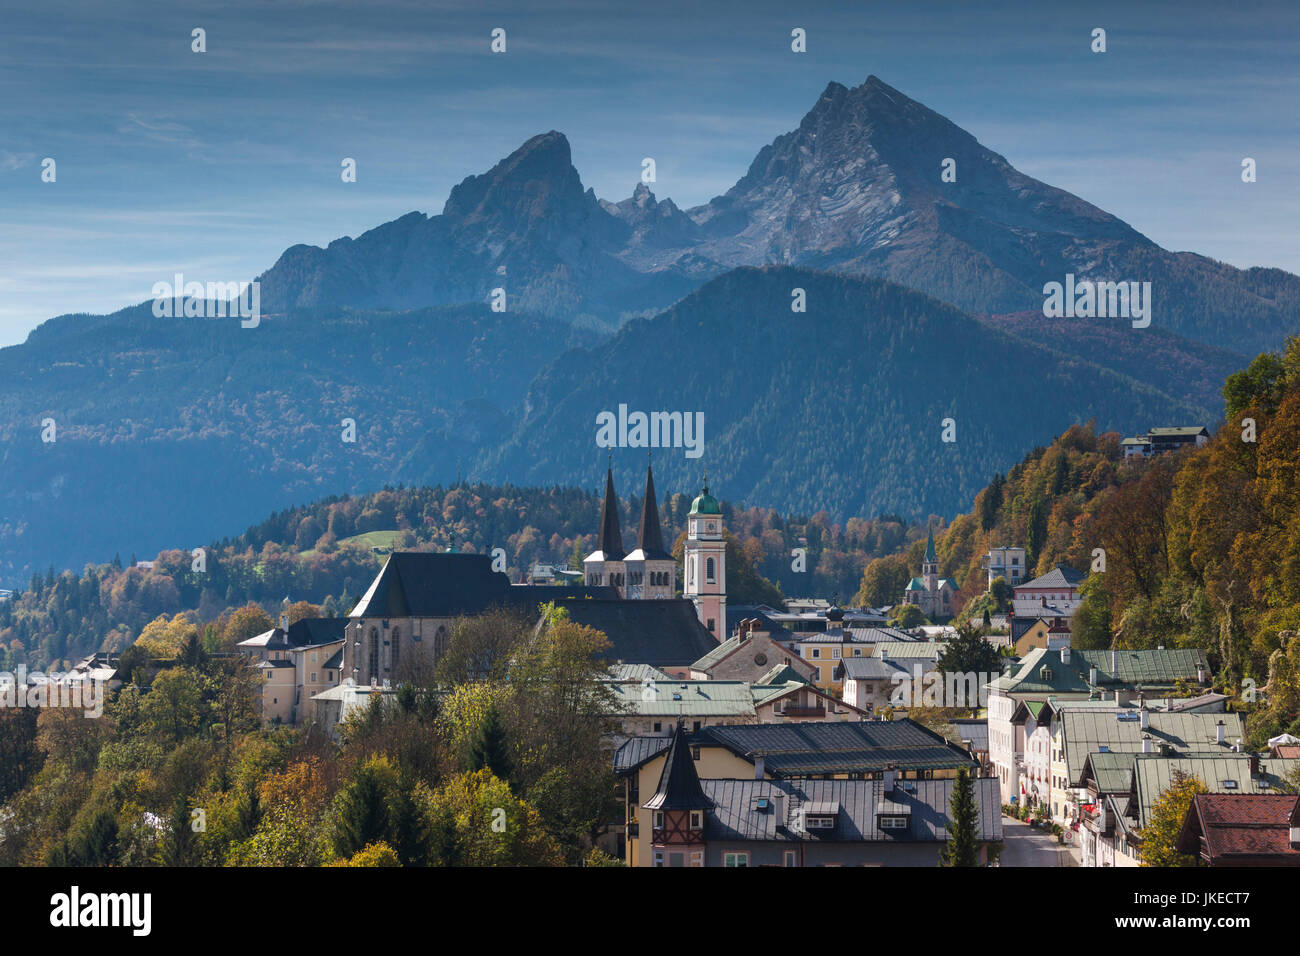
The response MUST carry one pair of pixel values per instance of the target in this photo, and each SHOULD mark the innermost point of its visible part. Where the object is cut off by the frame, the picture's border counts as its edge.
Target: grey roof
(635, 751)
(638, 673)
(872, 668)
(972, 729)
(1061, 576)
(664, 633)
(736, 816)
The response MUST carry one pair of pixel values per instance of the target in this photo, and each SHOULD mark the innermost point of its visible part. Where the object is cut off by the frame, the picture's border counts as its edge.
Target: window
(709, 625)
(374, 654)
(1229, 785)
(816, 653)
(659, 857)
(659, 727)
(893, 823)
(735, 859)
(697, 858)
(697, 819)
(820, 823)
(397, 645)
(710, 571)
(790, 858)
(835, 653)
(313, 677)
(659, 819)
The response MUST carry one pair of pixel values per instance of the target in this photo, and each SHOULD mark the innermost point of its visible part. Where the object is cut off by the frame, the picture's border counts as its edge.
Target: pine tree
(489, 746)
(962, 848)
(361, 816)
(180, 845)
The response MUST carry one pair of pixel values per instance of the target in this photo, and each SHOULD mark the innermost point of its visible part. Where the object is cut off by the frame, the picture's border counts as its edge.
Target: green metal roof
(1113, 772)
(705, 504)
(701, 698)
(1152, 775)
(1086, 731)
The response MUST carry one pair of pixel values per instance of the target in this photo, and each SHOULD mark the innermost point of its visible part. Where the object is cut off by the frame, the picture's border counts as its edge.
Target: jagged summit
(856, 187)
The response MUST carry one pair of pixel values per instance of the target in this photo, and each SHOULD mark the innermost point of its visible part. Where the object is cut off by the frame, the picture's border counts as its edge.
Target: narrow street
(1028, 846)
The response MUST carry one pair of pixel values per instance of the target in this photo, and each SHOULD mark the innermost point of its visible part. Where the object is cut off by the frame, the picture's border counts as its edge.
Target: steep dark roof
(660, 633)
(425, 584)
(311, 631)
(610, 542)
(679, 784)
(650, 536)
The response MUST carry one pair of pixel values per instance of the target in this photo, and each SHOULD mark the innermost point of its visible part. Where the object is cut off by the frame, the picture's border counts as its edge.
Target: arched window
(374, 655)
(439, 642)
(397, 648)
(710, 571)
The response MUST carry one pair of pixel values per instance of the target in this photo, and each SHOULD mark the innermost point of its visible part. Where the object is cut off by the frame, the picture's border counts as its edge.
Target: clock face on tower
(710, 526)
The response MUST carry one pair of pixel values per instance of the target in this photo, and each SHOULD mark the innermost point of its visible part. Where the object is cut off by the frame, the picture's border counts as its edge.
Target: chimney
(890, 777)
(284, 620)
(1065, 655)
(760, 768)
(1220, 732)
(1254, 765)
(1092, 676)
(1144, 717)
(1202, 677)
(1146, 743)
(1114, 662)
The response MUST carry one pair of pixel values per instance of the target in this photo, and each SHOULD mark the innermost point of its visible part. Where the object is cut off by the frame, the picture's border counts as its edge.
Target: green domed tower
(706, 563)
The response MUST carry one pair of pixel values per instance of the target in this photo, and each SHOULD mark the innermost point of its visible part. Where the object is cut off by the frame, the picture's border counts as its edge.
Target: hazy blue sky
(212, 164)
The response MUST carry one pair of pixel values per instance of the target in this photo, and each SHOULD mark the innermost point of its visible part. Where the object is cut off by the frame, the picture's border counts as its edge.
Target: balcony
(803, 712)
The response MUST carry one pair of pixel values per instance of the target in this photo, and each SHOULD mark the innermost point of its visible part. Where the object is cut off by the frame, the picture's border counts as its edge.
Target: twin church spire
(649, 572)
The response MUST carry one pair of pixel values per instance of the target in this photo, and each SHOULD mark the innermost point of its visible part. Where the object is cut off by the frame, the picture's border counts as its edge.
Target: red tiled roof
(1246, 824)
(1288, 751)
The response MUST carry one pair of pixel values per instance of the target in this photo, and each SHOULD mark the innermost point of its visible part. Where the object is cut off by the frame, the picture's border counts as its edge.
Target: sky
(212, 164)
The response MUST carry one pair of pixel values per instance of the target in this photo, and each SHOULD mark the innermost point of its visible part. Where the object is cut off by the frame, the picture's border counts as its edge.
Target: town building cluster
(748, 735)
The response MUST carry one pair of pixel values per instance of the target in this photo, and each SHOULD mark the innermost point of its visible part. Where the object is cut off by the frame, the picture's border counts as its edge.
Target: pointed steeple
(679, 784)
(610, 542)
(650, 536)
(930, 557)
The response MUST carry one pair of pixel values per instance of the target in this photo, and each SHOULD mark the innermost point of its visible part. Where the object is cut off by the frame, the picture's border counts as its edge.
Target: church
(649, 572)
(932, 594)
